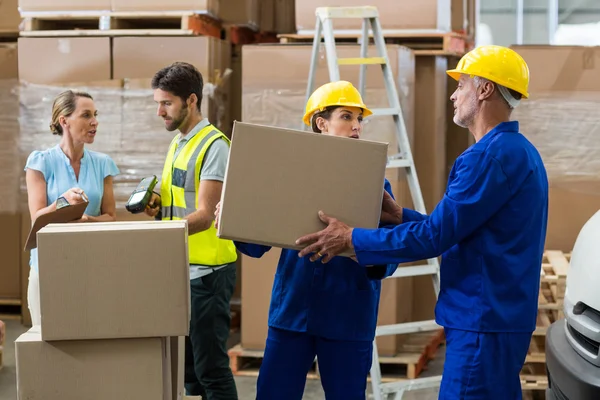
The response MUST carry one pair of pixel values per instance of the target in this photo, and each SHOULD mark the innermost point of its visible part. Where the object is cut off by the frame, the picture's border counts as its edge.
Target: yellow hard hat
(499, 64)
(339, 93)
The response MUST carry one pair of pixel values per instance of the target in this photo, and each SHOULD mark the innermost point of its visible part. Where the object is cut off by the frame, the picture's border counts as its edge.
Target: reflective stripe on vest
(179, 190)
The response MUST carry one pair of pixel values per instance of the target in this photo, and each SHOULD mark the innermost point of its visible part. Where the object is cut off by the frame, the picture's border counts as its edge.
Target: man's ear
(486, 90)
(192, 100)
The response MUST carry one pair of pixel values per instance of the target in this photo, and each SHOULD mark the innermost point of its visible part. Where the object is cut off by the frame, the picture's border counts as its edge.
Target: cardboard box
(9, 64)
(135, 369)
(64, 5)
(337, 167)
(210, 6)
(134, 290)
(393, 15)
(65, 60)
(241, 12)
(9, 15)
(10, 271)
(558, 119)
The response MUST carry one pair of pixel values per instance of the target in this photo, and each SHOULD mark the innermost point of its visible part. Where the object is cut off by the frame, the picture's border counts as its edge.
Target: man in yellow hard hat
(489, 228)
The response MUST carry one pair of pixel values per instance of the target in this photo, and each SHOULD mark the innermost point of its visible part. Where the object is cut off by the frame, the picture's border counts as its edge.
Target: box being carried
(278, 180)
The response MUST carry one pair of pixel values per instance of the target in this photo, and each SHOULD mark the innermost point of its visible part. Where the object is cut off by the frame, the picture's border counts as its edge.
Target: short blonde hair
(64, 105)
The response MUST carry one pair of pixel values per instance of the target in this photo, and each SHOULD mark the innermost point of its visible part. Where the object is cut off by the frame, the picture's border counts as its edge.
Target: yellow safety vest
(179, 197)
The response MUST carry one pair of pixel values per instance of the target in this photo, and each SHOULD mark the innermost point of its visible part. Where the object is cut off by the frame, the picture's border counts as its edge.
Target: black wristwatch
(61, 202)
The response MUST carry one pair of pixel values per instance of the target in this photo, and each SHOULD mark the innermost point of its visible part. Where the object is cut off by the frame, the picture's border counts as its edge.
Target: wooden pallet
(120, 24)
(534, 377)
(242, 34)
(433, 43)
(416, 352)
(553, 284)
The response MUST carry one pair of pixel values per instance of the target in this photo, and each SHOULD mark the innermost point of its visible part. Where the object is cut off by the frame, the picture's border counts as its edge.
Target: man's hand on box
(217, 213)
(391, 212)
(335, 239)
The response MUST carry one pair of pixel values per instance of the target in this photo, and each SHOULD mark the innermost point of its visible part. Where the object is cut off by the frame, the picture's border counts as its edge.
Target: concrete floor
(246, 385)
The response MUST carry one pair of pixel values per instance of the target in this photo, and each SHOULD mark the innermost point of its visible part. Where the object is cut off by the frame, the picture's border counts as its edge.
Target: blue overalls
(324, 310)
(490, 229)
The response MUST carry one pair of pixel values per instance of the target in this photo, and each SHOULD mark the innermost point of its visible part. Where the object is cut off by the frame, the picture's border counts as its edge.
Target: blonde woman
(69, 173)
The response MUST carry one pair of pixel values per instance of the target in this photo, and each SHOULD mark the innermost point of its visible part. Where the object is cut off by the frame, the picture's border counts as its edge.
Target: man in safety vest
(489, 227)
(190, 189)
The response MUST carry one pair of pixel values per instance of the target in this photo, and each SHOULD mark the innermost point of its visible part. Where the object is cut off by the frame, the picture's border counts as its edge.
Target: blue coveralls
(328, 310)
(490, 228)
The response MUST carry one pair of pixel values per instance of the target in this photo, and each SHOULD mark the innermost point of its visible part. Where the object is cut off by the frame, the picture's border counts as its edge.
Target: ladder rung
(409, 327)
(416, 270)
(385, 111)
(399, 163)
(413, 384)
(347, 12)
(361, 61)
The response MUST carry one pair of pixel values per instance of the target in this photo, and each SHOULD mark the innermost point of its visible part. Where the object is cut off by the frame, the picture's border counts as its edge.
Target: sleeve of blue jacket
(478, 190)
(382, 270)
(251, 249)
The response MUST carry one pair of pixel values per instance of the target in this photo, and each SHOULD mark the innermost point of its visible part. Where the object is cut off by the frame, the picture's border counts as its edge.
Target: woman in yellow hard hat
(489, 227)
(325, 311)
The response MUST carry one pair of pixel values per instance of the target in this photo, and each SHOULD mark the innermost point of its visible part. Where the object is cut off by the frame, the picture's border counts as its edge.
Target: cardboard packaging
(9, 15)
(210, 6)
(310, 172)
(10, 271)
(114, 280)
(65, 60)
(393, 15)
(136, 369)
(559, 119)
(9, 64)
(64, 5)
(241, 12)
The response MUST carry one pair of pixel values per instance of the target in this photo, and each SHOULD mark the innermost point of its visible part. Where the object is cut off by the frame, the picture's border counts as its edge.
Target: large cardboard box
(136, 369)
(559, 119)
(9, 64)
(310, 172)
(210, 6)
(241, 12)
(65, 60)
(10, 268)
(104, 280)
(64, 5)
(9, 15)
(393, 15)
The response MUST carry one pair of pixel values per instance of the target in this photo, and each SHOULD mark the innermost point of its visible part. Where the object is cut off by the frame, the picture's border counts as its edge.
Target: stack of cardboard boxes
(115, 309)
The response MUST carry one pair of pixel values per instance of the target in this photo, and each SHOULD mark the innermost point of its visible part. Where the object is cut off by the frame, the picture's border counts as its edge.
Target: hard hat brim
(366, 112)
(456, 73)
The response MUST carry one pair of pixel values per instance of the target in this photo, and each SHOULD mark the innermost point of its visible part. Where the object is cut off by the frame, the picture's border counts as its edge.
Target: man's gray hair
(506, 93)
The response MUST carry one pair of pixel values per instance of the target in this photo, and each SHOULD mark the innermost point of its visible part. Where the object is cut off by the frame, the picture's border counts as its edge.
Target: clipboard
(62, 215)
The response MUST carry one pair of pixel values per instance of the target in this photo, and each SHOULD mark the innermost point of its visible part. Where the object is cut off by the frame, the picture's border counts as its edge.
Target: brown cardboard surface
(211, 6)
(130, 369)
(9, 62)
(241, 12)
(142, 57)
(10, 267)
(65, 60)
(9, 15)
(267, 15)
(177, 367)
(311, 172)
(140, 288)
(64, 5)
(426, 14)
